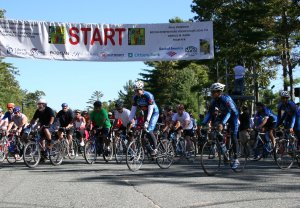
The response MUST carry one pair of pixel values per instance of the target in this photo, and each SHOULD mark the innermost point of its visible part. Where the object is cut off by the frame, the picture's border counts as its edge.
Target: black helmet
(260, 104)
(119, 104)
(97, 104)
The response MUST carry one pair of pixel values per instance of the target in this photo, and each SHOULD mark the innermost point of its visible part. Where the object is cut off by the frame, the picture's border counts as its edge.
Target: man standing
(239, 79)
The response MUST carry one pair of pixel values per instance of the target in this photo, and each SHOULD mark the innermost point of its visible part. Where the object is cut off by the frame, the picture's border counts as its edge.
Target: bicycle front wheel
(73, 150)
(210, 158)
(283, 158)
(165, 154)
(11, 158)
(90, 152)
(120, 150)
(3, 151)
(56, 153)
(32, 154)
(135, 156)
(108, 152)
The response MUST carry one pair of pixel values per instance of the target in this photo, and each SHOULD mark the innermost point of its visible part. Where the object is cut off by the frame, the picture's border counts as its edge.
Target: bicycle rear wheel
(73, 150)
(283, 158)
(90, 152)
(32, 154)
(165, 154)
(56, 153)
(108, 152)
(11, 158)
(135, 156)
(3, 151)
(210, 158)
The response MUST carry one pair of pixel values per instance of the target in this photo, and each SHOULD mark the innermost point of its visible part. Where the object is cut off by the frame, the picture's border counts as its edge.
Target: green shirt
(100, 118)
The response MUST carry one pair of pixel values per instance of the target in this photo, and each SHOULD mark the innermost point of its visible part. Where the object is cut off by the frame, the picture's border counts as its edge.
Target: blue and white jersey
(287, 114)
(144, 101)
(297, 122)
(260, 116)
(227, 110)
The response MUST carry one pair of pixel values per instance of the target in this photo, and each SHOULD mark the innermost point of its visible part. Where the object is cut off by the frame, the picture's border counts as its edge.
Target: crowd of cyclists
(222, 114)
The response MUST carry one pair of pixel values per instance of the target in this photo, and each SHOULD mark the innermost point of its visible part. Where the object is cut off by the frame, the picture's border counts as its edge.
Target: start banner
(106, 42)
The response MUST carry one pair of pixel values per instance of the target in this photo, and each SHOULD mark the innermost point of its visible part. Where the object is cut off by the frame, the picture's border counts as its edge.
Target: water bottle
(12, 147)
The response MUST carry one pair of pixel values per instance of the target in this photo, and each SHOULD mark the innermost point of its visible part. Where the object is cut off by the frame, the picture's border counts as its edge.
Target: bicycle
(33, 149)
(215, 155)
(262, 145)
(120, 142)
(62, 148)
(139, 147)
(180, 145)
(92, 148)
(285, 153)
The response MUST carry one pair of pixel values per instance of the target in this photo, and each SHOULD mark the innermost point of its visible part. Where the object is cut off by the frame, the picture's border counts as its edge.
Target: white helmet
(138, 85)
(217, 87)
(284, 94)
(42, 101)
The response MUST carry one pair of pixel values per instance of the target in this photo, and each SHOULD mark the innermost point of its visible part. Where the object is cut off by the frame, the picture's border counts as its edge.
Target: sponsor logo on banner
(59, 53)
(57, 35)
(191, 50)
(171, 48)
(16, 51)
(171, 53)
(10, 50)
(141, 55)
(109, 55)
(136, 36)
(36, 52)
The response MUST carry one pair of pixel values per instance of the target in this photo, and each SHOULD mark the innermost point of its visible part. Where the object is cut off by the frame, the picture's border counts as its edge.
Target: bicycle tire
(90, 152)
(191, 155)
(3, 151)
(74, 147)
(56, 153)
(165, 154)
(31, 155)
(11, 158)
(120, 150)
(283, 158)
(242, 156)
(135, 156)
(108, 155)
(210, 158)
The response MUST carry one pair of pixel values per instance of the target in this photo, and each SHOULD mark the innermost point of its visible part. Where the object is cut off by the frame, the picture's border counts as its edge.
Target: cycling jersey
(183, 119)
(265, 114)
(148, 106)
(227, 110)
(287, 114)
(8, 115)
(100, 118)
(297, 122)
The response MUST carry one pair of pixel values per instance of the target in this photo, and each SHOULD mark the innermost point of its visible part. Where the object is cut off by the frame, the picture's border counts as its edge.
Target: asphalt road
(76, 184)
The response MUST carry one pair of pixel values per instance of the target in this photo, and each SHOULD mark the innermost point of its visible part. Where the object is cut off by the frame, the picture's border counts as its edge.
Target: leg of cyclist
(69, 133)
(150, 129)
(234, 131)
(106, 139)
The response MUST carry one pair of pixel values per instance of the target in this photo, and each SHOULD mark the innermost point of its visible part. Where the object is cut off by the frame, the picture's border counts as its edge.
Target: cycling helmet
(97, 103)
(42, 101)
(119, 104)
(260, 104)
(217, 87)
(138, 85)
(17, 109)
(64, 105)
(10, 105)
(109, 113)
(285, 94)
(1, 110)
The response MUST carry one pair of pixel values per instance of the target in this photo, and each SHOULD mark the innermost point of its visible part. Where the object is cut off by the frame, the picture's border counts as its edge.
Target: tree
(127, 95)
(96, 96)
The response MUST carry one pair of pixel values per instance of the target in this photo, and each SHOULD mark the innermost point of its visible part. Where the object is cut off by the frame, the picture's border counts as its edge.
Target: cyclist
(18, 121)
(265, 120)
(121, 116)
(45, 117)
(228, 113)
(65, 118)
(101, 125)
(182, 123)
(8, 115)
(297, 125)
(167, 120)
(79, 124)
(4, 123)
(287, 112)
(145, 100)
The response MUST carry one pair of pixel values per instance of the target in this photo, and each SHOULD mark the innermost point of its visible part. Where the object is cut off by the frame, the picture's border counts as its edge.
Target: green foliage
(127, 95)
(96, 96)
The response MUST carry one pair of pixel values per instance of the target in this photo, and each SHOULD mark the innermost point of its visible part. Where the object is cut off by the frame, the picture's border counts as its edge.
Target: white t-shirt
(124, 116)
(18, 119)
(239, 71)
(185, 117)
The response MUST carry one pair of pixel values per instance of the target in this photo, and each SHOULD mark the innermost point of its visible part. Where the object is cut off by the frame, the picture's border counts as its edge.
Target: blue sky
(74, 82)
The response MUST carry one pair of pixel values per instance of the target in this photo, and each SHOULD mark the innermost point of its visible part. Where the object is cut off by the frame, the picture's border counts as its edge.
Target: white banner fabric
(106, 42)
